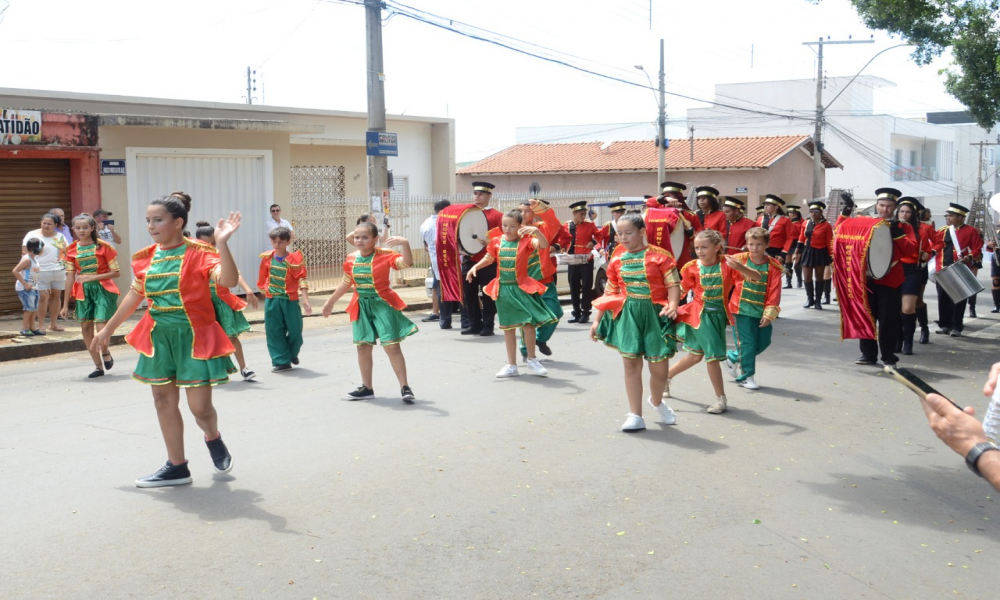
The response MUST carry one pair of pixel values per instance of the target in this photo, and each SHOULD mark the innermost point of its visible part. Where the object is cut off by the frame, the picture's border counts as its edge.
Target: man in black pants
(579, 236)
(951, 315)
(476, 319)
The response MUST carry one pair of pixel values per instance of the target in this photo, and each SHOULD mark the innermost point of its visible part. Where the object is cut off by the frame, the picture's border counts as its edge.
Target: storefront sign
(113, 167)
(20, 126)
(381, 144)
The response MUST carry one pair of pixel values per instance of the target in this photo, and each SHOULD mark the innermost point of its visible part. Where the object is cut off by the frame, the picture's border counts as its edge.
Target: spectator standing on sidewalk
(428, 232)
(276, 221)
(25, 272)
(106, 231)
(51, 272)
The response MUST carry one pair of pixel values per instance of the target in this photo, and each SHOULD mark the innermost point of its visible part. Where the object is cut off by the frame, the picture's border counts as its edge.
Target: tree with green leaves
(971, 28)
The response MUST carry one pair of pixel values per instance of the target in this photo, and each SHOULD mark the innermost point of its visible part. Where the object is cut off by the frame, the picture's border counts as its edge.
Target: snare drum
(472, 229)
(572, 259)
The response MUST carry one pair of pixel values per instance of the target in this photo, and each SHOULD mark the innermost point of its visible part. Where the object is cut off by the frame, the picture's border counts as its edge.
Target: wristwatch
(976, 453)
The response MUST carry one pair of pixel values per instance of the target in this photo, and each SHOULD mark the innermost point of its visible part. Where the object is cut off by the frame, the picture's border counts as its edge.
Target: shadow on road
(218, 502)
(419, 404)
(783, 393)
(681, 439)
(750, 417)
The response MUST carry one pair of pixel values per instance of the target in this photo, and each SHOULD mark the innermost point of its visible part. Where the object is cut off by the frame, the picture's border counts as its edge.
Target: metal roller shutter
(28, 189)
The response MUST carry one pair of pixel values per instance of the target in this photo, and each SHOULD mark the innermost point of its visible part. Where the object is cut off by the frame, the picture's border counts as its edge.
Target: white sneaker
(733, 368)
(667, 415)
(749, 384)
(536, 368)
(508, 371)
(248, 374)
(719, 407)
(633, 422)
(666, 390)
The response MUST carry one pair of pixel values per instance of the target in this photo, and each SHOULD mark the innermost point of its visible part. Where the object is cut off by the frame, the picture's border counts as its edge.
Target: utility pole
(978, 209)
(661, 125)
(817, 191)
(378, 171)
(691, 140)
(251, 84)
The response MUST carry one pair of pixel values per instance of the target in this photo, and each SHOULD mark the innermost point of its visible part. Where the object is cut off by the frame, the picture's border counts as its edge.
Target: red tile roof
(709, 153)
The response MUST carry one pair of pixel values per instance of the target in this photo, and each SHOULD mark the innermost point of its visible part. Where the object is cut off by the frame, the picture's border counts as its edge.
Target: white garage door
(218, 181)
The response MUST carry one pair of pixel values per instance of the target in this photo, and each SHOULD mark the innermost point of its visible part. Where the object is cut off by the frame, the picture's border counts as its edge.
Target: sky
(311, 54)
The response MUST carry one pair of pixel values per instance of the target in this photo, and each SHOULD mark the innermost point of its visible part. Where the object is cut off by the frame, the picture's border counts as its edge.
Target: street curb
(21, 352)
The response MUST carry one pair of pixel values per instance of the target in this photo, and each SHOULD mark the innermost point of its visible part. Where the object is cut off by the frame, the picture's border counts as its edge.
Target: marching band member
(635, 316)
(516, 292)
(375, 309)
(928, 232)
(737, 225)
(907, 211)
(476, 320)
(709, 214)
(755, 304)
(792, 246)
(706, 316)
(970, 249)
(814, 252)
(609, 233)
(180, 343)
(884, 295)
(672, 196)
(579, 236)
(91, 265)
(543, 268)
(776, 224)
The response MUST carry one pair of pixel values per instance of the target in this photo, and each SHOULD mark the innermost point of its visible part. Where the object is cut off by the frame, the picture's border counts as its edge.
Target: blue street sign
(381, 144)
(112, 167)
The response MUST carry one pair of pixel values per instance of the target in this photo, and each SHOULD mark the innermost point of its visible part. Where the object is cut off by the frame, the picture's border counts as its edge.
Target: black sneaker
(471, 331)
(360, 394)
(431, 318)
(281, 368)
(543, 348)
(95, 374)
(864, 360)
(295, 360)
(486, 333)
(221, 458)
(407, 394)
(170, 474)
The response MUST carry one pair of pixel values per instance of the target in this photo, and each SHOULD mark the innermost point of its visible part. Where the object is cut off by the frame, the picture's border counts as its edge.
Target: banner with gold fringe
(448, 254)
(850, 268)
(660, 223)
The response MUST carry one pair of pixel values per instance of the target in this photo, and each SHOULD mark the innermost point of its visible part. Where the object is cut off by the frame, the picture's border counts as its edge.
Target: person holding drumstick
(672, 195)
(970, 249)
(737, 225)
(579, 236)
(885, 302)
(791, 246)
(479, 319)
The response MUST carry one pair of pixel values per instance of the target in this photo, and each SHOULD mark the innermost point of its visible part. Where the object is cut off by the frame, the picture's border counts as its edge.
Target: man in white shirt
(274, 222)
(106, 231)
(428, 231)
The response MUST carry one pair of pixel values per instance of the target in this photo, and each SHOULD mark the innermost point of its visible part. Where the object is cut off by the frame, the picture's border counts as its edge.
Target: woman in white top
(51, 278)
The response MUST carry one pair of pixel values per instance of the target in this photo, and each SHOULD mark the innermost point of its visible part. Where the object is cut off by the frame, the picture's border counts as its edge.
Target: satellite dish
(534, 188)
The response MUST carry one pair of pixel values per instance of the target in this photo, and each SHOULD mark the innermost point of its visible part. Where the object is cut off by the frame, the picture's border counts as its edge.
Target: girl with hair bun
(229, 307)
(704, 319)
(180, 343)
(91, 267)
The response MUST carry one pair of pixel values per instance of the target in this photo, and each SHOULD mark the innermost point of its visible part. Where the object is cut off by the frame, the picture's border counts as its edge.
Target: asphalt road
(826, 483)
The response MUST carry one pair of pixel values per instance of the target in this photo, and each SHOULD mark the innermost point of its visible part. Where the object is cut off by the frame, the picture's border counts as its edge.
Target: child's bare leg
(365, 364)
(87, 329)
(715, 374)
(633, 384)
(239, 352)
(200, 402)
(510, 341)
(27, 319)
(398, 362)
(528, 333)
(658, 372)
(166, 399)
(686, 362)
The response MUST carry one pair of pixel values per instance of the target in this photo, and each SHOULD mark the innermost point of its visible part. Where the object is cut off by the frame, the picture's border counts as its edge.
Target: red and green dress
(636, 292)
(518, 295)
(178, 339)
(375, 309)
(229, 310)
(96, 301)
(706, 316)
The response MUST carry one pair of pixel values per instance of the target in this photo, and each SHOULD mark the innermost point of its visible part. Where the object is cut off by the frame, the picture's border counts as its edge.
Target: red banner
(448, 255)
(660, 223)
(850, 267)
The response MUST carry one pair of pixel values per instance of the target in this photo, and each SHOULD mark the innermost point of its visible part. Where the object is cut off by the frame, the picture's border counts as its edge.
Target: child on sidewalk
(229, 307)
(91, 265)
(518, 295)
(282, 279)
(375, 309)
(180, 343)
(706, 316)
(25, 272)
(635, 316)
(755, 305)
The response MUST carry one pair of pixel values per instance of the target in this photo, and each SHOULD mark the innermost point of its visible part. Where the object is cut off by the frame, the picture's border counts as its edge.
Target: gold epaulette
(200, 246)
(144, 253)
(658, 250)
(775, 263)
(266, 254)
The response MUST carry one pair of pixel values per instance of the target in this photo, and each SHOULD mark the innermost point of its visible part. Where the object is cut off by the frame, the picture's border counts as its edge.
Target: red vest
(107, 261)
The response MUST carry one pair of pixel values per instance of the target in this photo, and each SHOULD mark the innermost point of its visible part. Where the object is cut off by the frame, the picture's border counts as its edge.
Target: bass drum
(880, 252)
(677, 242)
(472, 228)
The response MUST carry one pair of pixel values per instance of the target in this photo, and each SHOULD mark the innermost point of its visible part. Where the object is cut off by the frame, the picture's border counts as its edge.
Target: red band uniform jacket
(295, 275)
(382, 262)
(107, 261)
(661, 273)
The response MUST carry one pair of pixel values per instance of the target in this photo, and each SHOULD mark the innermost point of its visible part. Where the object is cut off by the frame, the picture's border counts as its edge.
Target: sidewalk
(15, 347)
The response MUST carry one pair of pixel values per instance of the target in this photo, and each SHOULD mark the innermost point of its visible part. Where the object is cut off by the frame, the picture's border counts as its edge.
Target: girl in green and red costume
(517, 294)
(180, 343)
(375, 309)
(635, 316)
(706, 316)
(282, 279)
(91, 267)
(229, 307)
